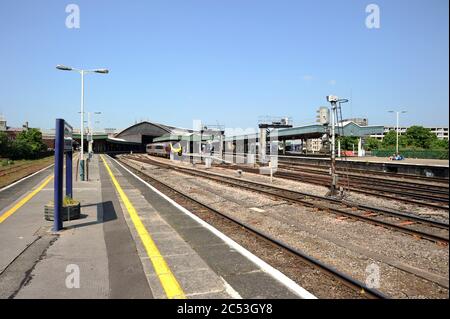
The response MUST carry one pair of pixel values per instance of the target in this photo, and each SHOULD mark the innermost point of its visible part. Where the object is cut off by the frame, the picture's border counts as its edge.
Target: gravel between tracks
(425, 212)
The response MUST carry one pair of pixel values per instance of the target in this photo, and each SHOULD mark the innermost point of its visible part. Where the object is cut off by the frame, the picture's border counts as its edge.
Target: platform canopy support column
(339, 148)
(262, 143)
(360, 151)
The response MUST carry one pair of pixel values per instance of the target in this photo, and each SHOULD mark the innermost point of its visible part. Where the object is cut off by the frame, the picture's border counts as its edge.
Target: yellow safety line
(22, 202)
(170, 284)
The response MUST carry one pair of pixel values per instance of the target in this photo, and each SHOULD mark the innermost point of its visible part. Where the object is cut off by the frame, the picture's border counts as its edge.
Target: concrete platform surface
(411, 161)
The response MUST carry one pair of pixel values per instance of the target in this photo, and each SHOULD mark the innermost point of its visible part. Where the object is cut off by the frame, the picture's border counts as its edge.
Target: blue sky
(224, 61)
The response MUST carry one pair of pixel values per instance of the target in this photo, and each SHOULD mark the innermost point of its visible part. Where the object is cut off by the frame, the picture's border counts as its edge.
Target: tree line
(415, 138)
(28, 144)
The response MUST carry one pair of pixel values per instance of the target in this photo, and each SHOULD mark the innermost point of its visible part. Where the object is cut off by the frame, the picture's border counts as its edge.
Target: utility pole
(91, 132)
(89, 136)
(397, 128)
(82, 167)
(396, 144)
(333, 100)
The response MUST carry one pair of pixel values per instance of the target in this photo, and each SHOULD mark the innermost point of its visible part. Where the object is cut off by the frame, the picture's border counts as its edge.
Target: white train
(164, 149)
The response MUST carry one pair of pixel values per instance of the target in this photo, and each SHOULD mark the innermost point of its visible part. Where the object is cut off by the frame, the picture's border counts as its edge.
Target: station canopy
(348, 128)
(146, 132)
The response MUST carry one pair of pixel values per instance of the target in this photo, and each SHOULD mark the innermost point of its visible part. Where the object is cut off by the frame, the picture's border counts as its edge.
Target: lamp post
(91, 135)
(82, 73)
(397, 128)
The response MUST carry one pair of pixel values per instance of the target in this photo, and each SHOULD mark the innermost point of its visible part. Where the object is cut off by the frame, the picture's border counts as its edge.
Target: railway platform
(411, 166)
(131, 242)
(406, 161)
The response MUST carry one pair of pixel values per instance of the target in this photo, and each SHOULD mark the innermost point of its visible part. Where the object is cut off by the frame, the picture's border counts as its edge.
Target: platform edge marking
(24, 200)
(273, 272)
(170, 284)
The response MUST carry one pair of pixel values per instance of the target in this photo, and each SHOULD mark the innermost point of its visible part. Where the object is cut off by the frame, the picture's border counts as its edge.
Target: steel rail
(316, 180)
(438, 189)
(374, 191)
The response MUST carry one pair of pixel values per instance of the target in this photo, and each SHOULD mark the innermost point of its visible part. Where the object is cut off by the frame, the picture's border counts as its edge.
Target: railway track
(23, 166)
(399, 221)
(295, 258)
(426, 195)
(423, 195)
(13, 169)
(443, 181)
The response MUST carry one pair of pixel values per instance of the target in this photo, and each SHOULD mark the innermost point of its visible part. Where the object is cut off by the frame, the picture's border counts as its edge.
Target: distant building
(12, 132)
(133, 138)
(440, 132)
(3, 126)
(48, 137)
(111, 131)
(314, 145)
(361, 121)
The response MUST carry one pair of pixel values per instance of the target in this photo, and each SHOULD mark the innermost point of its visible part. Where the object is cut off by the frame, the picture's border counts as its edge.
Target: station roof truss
(145, 132)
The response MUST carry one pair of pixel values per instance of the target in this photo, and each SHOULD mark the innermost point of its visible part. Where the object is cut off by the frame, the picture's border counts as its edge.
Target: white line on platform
(230, 290)
(276, 274)
(26, 177)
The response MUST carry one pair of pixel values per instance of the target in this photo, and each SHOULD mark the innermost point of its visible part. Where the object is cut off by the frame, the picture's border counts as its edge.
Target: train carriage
(164, 149)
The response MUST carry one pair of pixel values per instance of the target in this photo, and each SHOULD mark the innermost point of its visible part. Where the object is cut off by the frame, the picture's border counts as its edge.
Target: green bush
(347, 142)
(418, 142)
(4, 144)
(27, 145)
(390, 139)
(419, 136)
(372, 144)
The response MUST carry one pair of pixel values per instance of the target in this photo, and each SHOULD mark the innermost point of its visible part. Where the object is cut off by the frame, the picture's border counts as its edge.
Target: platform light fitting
(332, 98)
(103, 71)
(63, 67)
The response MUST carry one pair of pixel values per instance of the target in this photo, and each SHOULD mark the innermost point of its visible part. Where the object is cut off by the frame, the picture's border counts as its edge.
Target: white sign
(68, 140)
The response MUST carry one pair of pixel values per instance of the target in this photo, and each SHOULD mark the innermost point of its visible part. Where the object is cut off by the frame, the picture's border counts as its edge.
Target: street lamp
(398, 115)
(91, 136)
(82, 72)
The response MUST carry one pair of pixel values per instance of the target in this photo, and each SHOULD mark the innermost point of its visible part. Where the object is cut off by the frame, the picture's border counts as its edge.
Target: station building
(441, 132)
(11, 132)
(290, 139)
(133, 138)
